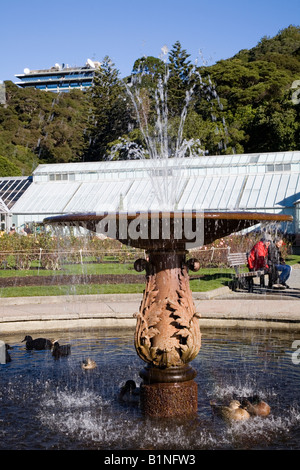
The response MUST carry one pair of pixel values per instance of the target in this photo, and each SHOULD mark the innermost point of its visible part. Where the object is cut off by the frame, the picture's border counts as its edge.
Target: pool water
(50, 404)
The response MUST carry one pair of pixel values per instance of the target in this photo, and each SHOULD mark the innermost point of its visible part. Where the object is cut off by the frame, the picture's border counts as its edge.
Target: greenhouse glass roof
(11, 189)
(264, 182)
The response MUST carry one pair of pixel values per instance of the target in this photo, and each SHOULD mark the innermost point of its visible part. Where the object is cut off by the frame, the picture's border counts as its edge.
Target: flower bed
(47, 252)
(44, 251)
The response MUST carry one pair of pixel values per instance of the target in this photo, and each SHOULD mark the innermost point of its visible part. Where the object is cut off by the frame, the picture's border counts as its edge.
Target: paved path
(219, 308)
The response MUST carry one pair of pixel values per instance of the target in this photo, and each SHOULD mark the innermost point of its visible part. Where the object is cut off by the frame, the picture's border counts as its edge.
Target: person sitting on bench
(257, 258)
(277, 263)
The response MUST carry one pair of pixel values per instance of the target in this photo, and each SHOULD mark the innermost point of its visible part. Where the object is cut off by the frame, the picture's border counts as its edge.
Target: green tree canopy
(242, 104)
(110, 112)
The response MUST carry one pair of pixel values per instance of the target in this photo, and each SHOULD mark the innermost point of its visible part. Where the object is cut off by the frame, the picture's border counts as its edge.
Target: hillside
(37, 127)
(254, 89)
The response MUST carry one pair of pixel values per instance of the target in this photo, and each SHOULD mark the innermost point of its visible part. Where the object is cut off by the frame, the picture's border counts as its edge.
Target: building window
(278, 167)
(162, 172)
(58, 176)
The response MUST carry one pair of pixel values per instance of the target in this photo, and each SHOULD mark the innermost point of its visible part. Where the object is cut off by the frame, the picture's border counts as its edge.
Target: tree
(7, 168)
(39, 127)
(110, 112)
(273, 129)
(150, 67)
(180, 79)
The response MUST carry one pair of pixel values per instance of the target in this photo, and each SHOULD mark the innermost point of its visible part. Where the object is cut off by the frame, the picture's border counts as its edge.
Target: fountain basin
(212, 225)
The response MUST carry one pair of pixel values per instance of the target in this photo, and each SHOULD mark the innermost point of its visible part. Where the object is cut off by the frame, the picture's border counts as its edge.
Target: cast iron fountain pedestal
(167, 335)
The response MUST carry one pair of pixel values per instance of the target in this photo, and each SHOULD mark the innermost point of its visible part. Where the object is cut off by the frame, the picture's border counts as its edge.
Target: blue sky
(36, 34)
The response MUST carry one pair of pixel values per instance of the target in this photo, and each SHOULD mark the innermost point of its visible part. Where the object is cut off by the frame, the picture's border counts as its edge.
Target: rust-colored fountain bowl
(166, 230)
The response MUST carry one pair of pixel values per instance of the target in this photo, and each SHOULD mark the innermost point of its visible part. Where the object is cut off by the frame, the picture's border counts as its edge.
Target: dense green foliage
(37, 127)
(242, 104)
(255, 88)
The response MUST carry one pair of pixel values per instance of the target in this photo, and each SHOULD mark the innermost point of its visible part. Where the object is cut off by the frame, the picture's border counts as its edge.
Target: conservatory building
(11, 189)
(263, 182)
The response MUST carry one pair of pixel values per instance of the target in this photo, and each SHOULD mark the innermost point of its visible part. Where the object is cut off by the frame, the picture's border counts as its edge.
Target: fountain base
(166, 400)
(169, 392)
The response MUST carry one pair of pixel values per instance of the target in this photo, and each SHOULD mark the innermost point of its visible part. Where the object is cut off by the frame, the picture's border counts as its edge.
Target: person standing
(27, 229)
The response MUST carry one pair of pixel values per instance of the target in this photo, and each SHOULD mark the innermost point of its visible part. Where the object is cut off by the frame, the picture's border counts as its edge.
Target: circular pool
(53, 404)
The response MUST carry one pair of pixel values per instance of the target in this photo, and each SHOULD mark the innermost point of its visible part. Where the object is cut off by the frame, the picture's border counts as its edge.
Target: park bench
(243, 279)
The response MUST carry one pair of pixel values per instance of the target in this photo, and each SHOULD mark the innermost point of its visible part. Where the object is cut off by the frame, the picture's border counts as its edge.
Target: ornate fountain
(167, 335)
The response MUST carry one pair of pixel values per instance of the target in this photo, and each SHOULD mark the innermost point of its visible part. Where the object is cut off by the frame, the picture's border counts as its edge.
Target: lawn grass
(34, 291)
(211, 278)
(292, 259)
(73, 269)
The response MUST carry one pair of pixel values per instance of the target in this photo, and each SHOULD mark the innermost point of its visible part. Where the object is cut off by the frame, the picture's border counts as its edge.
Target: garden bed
(64, 279)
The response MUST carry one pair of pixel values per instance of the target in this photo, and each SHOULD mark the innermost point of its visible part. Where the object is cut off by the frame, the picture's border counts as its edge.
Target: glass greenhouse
(267, 182)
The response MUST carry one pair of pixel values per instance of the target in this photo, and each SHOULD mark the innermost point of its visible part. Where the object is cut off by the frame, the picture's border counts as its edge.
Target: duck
(256, 407)
(88, 364)
(7, 355)
(232, 412)
(129, 392)
(38, 343)
(60, 350)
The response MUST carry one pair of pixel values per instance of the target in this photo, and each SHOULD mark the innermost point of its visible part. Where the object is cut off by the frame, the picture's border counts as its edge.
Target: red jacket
(257, 258)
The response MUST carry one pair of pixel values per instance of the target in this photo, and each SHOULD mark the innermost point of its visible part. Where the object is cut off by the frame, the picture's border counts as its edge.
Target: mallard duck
(88, 364)
(130, 393)
(60, 350)
(232, 412)
(256, 407)
(38, 343)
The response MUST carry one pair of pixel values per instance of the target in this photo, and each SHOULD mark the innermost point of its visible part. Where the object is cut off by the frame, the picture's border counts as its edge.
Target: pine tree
(109, 117)
(180, 69)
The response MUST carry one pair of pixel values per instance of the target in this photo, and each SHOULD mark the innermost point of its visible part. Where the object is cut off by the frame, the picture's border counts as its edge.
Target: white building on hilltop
(59, 78)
